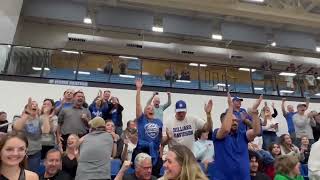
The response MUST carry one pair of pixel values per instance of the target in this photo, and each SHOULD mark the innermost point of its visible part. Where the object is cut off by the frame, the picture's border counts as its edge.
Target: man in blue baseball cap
(241, 114)
(181, 128)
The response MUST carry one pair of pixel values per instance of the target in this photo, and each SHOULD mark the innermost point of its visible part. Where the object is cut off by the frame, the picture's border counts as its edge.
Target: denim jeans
(268, 137)
(34, 162)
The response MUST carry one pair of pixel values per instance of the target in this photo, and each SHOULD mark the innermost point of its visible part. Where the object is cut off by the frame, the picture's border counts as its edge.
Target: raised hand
(125, 166)
(230, 103)
(208, 107)
(139, 83)
(169, 135)
(257, 103)
(272, 105)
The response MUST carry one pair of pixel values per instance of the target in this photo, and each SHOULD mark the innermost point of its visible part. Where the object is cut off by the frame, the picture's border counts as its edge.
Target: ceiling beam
(291, 16)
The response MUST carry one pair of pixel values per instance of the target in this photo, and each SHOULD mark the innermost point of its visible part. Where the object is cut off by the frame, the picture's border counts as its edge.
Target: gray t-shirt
(71, 122)
(302, 125)
(50, 138)
(32, 130)
(95, 156)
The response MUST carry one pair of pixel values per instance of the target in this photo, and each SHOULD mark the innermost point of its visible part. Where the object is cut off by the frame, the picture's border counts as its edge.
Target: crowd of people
(77, 140)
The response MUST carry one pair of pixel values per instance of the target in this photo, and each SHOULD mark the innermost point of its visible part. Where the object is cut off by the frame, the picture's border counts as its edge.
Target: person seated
(288, 168)
(255, 164)
(305, 148)
(108, 69)
(274, 150)
(130, 140)
(143, 169)
(181, 164)
(71, 156)
(185, 74)
(288, 148)
(14, 145)
(3, 122)
(203, 148)
(53, 165)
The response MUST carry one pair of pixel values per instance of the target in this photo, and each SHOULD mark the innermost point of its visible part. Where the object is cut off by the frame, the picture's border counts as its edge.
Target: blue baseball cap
(236, 98)
(181, 106)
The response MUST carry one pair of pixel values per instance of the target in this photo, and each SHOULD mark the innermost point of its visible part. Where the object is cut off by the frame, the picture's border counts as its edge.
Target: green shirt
(285, 177)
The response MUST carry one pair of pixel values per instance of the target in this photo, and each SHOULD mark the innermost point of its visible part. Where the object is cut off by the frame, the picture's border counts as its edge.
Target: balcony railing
(112, 68)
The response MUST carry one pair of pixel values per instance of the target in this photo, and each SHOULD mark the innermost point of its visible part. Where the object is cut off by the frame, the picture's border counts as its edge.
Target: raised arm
(275, 112)
(139, 84)
(19, 123)
(256, 129)
(125, 166)
(208, 109)
(151, 98)
(284, 112)
(307, 102)
(225, 128)
(166, 105)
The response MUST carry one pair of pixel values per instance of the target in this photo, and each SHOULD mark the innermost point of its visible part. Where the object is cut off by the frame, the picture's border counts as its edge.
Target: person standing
(269, 128)
(181, 128)
(288, 114)
(114, 112)
(231, 145)
(149, 132)
(33, 127)
(65, 102)
(241, 114)
(73, 120)
(95, 152)
(159, 109)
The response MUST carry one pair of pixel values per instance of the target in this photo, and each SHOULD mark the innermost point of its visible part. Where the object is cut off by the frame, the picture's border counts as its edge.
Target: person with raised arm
(149, 132)
(231, 145)
(181, 129)
(159, 109)
(33, 126)
(288, 114)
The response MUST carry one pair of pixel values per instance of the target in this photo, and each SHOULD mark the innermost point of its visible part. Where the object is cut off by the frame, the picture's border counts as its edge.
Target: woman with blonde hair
(288, 168)
(181, 164)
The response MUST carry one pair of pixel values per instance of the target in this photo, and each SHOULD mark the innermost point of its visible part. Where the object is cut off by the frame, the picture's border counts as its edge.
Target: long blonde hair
(190, 168)
(77, 138)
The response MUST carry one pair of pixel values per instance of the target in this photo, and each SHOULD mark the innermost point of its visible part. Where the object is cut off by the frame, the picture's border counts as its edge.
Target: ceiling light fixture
(128, 57)
(287, 74)
(126, 76)
(318, 48)
(286, 91)
(157, 29)
(217, 37)
(247, 69)
(82, 72)
(193, 64)
(203, 65)
(273, 44)
(87, 20)
(183, 81)
(70, 52)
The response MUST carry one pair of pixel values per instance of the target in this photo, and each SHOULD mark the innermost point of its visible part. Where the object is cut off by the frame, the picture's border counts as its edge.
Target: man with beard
(231, 145)
(254, 167)
(53, 165)
(73, 120)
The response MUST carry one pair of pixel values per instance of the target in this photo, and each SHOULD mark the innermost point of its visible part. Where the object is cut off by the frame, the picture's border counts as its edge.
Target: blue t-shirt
(65, 105)
(289, 119)
(242, 125)
(232, 157)
(149, 136)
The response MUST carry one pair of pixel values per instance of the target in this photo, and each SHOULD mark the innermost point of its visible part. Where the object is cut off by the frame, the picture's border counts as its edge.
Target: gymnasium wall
(14, 96)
